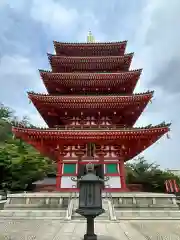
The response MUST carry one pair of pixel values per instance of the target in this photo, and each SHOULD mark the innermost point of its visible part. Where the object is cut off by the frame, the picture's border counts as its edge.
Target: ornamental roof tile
(101, 63)
(163, 125)
(139, 138)
(90, 49)
(87, 44)
(121, 82)
(48, 75)
(95, 135)
(91, 59)
(90, 99)
(128, 106)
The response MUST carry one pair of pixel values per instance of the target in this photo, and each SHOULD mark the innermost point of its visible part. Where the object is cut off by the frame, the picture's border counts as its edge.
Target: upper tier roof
(127, 108)
(122, 82)
(82, 101)
(90, 49)
(90, 64)
(134, 140)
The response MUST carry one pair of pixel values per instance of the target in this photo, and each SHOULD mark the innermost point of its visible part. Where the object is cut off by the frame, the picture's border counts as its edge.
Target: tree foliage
(20, 164)
(149, 175)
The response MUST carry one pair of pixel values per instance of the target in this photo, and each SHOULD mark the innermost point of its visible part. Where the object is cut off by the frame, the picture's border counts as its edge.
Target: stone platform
(117, 206)
(127, 200)
(37, 201)
(144, 201)
(56, 230)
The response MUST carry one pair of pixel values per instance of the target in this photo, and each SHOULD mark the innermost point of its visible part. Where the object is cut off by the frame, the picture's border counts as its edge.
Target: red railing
(171, 186)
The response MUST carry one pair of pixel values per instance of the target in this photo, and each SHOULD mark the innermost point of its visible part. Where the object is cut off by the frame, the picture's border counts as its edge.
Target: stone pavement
(74, 230)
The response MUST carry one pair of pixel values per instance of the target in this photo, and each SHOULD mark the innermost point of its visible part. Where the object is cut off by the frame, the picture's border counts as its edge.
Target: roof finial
(90, 37)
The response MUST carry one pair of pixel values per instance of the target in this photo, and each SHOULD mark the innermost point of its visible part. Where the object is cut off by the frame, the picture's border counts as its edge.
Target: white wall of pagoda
(112, 169)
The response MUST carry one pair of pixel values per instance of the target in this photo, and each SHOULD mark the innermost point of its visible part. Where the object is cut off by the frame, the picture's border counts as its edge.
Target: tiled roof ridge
(150, 126)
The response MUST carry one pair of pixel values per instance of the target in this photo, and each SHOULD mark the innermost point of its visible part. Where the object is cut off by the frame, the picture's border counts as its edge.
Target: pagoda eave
(123, 82)
(134, 140)
(126, 115)
(90, 49)
(124, 76)
(92, 99)
(62, 83)
(68, 64)
(98, 134)
(110, 109)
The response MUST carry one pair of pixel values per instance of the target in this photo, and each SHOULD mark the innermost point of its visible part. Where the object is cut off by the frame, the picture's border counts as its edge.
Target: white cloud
(2, 3)
(17, 76)
(152, 29)
(157, 39)
(54, 16)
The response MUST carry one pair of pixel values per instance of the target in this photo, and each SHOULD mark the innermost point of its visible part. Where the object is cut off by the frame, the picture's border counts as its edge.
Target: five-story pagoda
(90, 110)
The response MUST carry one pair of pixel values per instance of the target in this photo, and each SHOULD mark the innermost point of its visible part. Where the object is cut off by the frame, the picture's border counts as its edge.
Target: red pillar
(101, 155)
(59, 172)
(79, 155)
(122, 174)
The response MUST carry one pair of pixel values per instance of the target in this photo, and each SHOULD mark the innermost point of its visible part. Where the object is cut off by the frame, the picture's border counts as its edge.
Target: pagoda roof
(92, 63)
(90, 49)
(53, 107)
(135, 140)
(120, 81)
(91, 101)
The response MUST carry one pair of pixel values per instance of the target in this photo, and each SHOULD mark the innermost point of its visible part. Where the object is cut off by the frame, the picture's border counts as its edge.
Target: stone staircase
(147, 214)
(34, 206)
(104, 216)
(124, 206)
(147, 206)
(32, 214)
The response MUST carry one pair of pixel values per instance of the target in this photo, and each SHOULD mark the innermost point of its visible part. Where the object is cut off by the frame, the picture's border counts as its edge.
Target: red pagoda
(90, 110)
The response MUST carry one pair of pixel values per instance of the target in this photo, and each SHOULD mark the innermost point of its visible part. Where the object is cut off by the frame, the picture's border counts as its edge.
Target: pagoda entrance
(112, 169)
(98, 170)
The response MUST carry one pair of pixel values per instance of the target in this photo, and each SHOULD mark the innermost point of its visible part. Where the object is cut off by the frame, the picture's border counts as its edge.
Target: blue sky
(27, 29)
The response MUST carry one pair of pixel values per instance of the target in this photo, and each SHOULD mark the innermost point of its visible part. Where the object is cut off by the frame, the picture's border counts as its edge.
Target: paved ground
(56, 230)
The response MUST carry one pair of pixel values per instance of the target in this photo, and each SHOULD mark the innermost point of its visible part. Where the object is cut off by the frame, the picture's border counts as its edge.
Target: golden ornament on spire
(90, 38)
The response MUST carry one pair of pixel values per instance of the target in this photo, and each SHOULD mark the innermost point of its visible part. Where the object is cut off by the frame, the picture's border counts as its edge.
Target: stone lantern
(90, 199)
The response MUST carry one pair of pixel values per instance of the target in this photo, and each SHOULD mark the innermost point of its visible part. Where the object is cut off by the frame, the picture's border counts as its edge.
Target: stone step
(37, 214)
(130, 214)
(78, 217)
(102, 217)
(33, 207)
(61, 215)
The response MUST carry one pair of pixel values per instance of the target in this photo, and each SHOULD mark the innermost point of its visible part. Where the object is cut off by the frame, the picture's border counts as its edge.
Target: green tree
(6, 115)
(20, 164)
(149, 175)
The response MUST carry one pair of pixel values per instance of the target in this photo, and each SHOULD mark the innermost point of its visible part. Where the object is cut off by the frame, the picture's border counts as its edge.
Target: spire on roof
(90, 37)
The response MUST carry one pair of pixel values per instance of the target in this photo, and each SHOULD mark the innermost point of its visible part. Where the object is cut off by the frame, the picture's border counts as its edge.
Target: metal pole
(90, 229)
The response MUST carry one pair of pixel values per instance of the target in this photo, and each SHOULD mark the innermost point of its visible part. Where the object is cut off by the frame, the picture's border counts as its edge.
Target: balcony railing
(95, 127)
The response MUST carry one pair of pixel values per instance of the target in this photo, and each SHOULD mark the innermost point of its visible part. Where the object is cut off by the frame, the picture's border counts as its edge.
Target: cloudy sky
(28, 27)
